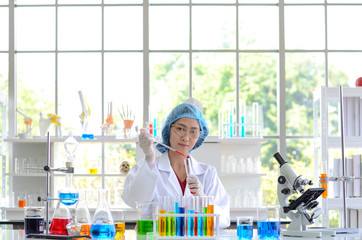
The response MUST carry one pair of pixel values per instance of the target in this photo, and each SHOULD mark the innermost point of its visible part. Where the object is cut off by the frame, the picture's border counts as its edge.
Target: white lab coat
(146, 184)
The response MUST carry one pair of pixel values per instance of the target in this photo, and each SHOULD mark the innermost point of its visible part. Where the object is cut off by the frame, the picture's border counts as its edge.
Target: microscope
(302, 210)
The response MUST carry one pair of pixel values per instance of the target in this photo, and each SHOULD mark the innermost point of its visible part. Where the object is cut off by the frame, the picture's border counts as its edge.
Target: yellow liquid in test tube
(210, 221)
(162, 224)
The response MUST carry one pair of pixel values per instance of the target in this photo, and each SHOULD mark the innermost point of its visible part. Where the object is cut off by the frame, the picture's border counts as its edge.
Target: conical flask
(61, 218)
(103, 225)
(82, 213)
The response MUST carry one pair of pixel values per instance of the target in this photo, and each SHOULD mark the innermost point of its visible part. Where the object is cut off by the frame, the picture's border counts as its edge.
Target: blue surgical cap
(180, 111)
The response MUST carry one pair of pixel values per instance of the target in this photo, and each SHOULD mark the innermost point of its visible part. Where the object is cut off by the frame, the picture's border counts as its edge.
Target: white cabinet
(327, 136)
(240, 182)
(232, 158)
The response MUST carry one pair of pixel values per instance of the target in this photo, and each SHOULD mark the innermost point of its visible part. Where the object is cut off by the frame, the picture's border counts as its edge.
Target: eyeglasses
(181, 131)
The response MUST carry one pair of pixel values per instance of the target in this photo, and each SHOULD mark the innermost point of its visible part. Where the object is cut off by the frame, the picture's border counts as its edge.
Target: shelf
(56, 139)
(241, 140)
(243, 175)
(102, 139)
(332, 93)
(335, 142)
(337, 203)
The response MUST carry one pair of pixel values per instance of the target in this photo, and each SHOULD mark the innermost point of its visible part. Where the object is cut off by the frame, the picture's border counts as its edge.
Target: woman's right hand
(146, 144)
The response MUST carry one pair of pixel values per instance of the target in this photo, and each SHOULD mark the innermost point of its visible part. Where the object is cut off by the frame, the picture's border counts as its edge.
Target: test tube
(182, 210)
(170, 221)
(191, 220)
(204, 210)
(242, 118)
(180, 221)
(200, 220)
(255, 112)
(162, 220)
(323, 179)
(154, 127)
(232, 119)
(187, 163)
(150, 126)
(220, 123)
(210, 220)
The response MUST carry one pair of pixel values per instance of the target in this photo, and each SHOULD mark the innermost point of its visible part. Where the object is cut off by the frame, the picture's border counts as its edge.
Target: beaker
(268, 221)
(145, 211)
(244, 227)
(103, 225)
(119, 222)
(34, 220)
(61, 218)
(82, 213)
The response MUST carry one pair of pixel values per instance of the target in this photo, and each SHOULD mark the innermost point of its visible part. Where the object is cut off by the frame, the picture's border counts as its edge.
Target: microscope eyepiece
(279, 158)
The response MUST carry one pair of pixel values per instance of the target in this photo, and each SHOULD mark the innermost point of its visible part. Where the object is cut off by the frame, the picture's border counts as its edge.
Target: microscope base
(309, 233)
(336, 230)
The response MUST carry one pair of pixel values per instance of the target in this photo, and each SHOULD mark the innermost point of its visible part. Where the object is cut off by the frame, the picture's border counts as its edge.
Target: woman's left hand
(195, 185)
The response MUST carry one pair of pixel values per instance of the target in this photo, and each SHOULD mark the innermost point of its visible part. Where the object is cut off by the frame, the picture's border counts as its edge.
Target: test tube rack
(154, 128)
(241, 130)
(156, 235)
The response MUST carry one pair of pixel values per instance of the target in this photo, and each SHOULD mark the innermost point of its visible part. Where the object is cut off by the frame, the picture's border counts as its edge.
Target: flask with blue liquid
(103, 224)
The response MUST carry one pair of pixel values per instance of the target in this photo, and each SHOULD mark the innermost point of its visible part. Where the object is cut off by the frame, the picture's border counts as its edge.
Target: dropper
(172, 149)
(187, 159)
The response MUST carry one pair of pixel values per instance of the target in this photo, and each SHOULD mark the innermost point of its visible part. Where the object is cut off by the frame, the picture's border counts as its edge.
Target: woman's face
(184, 134)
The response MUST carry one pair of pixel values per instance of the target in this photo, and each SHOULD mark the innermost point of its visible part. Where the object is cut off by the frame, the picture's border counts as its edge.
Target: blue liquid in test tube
(191, 224)
(177, 227)
(180, 223)
(155, 127)
(242, 134)
(200, 226)
(231, 127)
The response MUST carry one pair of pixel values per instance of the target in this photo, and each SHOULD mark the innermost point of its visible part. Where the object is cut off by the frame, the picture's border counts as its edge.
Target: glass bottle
(61, 218)
(82, 213)
(103, 225)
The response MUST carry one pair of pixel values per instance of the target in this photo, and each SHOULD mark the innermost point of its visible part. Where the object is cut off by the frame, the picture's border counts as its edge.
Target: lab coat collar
(196, 167)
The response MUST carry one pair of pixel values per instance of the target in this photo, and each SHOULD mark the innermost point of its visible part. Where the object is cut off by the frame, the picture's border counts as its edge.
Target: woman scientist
(184, 129)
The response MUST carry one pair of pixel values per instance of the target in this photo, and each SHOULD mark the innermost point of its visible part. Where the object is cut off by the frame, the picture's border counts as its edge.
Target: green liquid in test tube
(170, 225)
(205, 220)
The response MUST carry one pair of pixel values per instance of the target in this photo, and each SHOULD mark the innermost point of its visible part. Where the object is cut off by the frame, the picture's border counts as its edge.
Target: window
(216, 51)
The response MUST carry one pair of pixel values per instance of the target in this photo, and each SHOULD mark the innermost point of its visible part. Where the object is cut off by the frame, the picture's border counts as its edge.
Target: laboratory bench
(8, 233)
